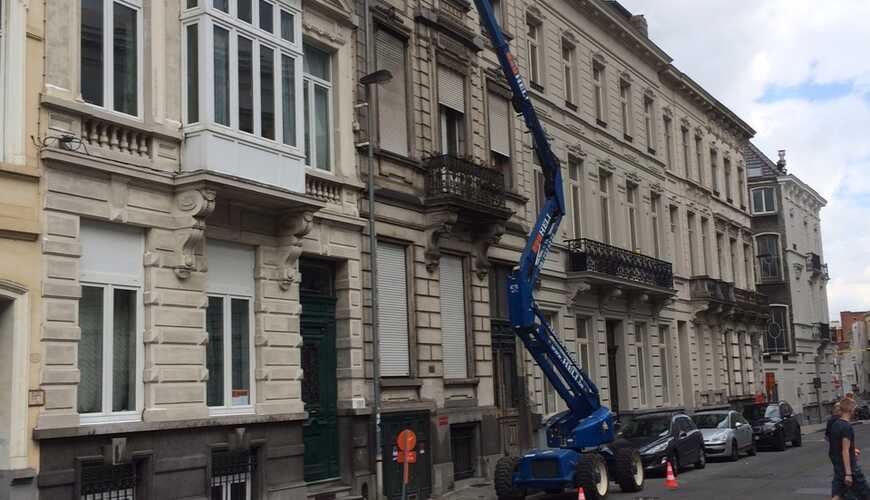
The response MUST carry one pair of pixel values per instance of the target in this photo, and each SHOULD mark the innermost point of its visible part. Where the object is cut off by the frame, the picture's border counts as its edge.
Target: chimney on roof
(640, 24)
(781, 163)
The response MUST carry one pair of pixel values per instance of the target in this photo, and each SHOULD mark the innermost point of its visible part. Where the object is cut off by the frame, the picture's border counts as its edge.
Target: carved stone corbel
(193, 206)
(437, 225)
(292, 229)
(575, 288)
(490, 235)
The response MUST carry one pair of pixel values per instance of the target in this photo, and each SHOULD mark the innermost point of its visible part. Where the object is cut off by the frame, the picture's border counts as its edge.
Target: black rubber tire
(586, 475)
(504, 479)
(554, 491)
(798, 441)
(625, 463)
(702, 460)
(779, 440)
(735, 451)
(753, 448)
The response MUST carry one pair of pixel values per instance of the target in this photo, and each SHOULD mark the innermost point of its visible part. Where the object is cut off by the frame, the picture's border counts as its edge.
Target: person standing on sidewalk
(841, 441)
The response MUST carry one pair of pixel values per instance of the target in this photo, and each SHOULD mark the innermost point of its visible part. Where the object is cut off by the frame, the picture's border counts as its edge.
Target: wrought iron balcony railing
(769, 268)
(594, 256)
(704, 288)
(450, 178)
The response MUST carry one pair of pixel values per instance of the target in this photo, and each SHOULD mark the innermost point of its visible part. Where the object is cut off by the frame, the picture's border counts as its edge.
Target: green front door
(319, 387)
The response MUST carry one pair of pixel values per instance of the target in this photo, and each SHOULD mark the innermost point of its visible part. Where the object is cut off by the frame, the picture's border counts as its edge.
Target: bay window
(317, 97)
(111, 54)
(241, 68)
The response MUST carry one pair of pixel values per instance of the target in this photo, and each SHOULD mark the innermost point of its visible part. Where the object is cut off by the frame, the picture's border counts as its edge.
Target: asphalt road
(792, 474)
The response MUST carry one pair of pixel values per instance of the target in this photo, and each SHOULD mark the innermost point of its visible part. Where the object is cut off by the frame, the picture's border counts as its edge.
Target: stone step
(330, 490)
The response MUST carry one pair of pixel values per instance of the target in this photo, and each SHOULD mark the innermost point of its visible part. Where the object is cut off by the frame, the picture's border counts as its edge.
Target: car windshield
(653, 426)
(756, 412)
(711, 420)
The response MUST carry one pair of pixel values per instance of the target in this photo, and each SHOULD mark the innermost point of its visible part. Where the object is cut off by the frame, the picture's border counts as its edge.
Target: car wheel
(628, 470)
(735, 451)
(504, 479)
(702, 459)
(591, 475)
(753, 449)
(798, 439)
(779, 440)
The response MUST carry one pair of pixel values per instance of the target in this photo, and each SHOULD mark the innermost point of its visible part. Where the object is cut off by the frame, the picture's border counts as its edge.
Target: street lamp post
(374, 78)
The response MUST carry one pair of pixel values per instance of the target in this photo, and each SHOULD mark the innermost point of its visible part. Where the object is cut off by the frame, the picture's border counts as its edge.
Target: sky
(798, 71)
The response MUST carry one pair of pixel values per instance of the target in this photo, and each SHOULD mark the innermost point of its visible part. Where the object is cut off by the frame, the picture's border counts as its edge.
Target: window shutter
(111, 253)
(230, 267)
(451, 90)
(453, 318)
(393, 310)
(499, 123)
(392, 96)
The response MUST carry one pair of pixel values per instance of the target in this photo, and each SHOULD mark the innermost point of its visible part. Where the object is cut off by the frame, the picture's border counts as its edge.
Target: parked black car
(862, 411)
(773, 424)
(664, 437)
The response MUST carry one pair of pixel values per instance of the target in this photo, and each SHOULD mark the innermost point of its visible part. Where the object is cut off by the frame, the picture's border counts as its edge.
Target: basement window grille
(108, 482)
(231, 475)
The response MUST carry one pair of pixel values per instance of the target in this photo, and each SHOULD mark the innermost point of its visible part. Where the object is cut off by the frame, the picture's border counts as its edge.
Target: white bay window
(242, 79)
(111, 54)
(317, 96)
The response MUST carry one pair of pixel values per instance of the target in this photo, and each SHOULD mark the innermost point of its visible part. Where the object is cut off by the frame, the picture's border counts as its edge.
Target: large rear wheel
(628, 470)
(591, 475)
(504, 479)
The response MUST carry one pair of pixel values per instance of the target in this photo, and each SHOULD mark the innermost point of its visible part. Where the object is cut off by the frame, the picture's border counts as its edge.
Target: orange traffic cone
(580, 494)
(671, 481)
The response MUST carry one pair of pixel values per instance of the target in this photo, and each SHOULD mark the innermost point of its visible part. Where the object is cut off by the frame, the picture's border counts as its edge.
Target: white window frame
(605, 207)
(642, 362)
(534, 46)
(632, 193)
(208, 17)
(767, 210)
(786, 328)
(665, 364)
(655, 202)
(668, 125)
(599, 91)
(328, 85)
(110, 283)
(589, 341)
(569, 58)
(228, 408)
(625, 108)
(779, 257)
(225, 485)
(576, 183)
(547, 388)
(109, 59)
(649, 105)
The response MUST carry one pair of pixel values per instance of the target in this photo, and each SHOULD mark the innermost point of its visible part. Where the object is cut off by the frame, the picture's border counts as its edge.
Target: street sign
(406, 441)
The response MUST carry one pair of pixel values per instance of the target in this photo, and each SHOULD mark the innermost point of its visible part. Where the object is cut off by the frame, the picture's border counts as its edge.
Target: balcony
(463, 197)
(716, 297)
(595, 263)
(816, 268)
(454, 181)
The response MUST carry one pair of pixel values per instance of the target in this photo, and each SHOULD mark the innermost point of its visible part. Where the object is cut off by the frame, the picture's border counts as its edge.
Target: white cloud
(737, 49)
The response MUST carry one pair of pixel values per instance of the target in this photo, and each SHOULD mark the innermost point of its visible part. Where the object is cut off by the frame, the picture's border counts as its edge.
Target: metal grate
(543, 469)
(594, 256)
(108, 482)
(460, 179)
(232, 466)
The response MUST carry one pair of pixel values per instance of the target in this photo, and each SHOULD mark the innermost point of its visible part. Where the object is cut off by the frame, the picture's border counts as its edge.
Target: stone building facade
(20, 227)
(651, 284)
(799, 349)
(200, 250)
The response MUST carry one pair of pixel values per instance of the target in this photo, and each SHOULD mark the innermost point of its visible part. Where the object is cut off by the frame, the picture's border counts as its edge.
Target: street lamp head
(379, 76)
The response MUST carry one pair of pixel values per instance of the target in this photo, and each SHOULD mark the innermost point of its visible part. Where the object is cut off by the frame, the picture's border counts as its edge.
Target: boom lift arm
(589, 423)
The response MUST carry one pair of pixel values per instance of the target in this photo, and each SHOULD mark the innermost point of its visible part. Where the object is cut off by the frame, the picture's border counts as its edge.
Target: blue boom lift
(580, 454)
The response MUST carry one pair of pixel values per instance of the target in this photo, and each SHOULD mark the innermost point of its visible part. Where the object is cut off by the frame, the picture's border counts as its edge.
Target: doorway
(614, 365)
(319, 386)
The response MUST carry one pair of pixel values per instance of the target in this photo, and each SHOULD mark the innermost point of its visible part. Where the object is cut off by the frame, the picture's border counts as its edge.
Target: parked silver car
(726, 433)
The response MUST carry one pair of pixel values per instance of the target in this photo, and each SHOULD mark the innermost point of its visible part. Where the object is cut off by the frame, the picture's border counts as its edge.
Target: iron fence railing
(108, 482)
(451, 177)
(704, 288)
(595, 256)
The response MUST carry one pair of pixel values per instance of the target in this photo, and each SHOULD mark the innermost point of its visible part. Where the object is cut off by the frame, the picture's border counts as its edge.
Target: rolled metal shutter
(499, 125)
(453, 338)
(451, 90)
(393, 310)
(392, 96)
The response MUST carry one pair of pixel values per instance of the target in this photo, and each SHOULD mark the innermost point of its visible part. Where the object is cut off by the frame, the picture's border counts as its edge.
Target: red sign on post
(406, 442)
